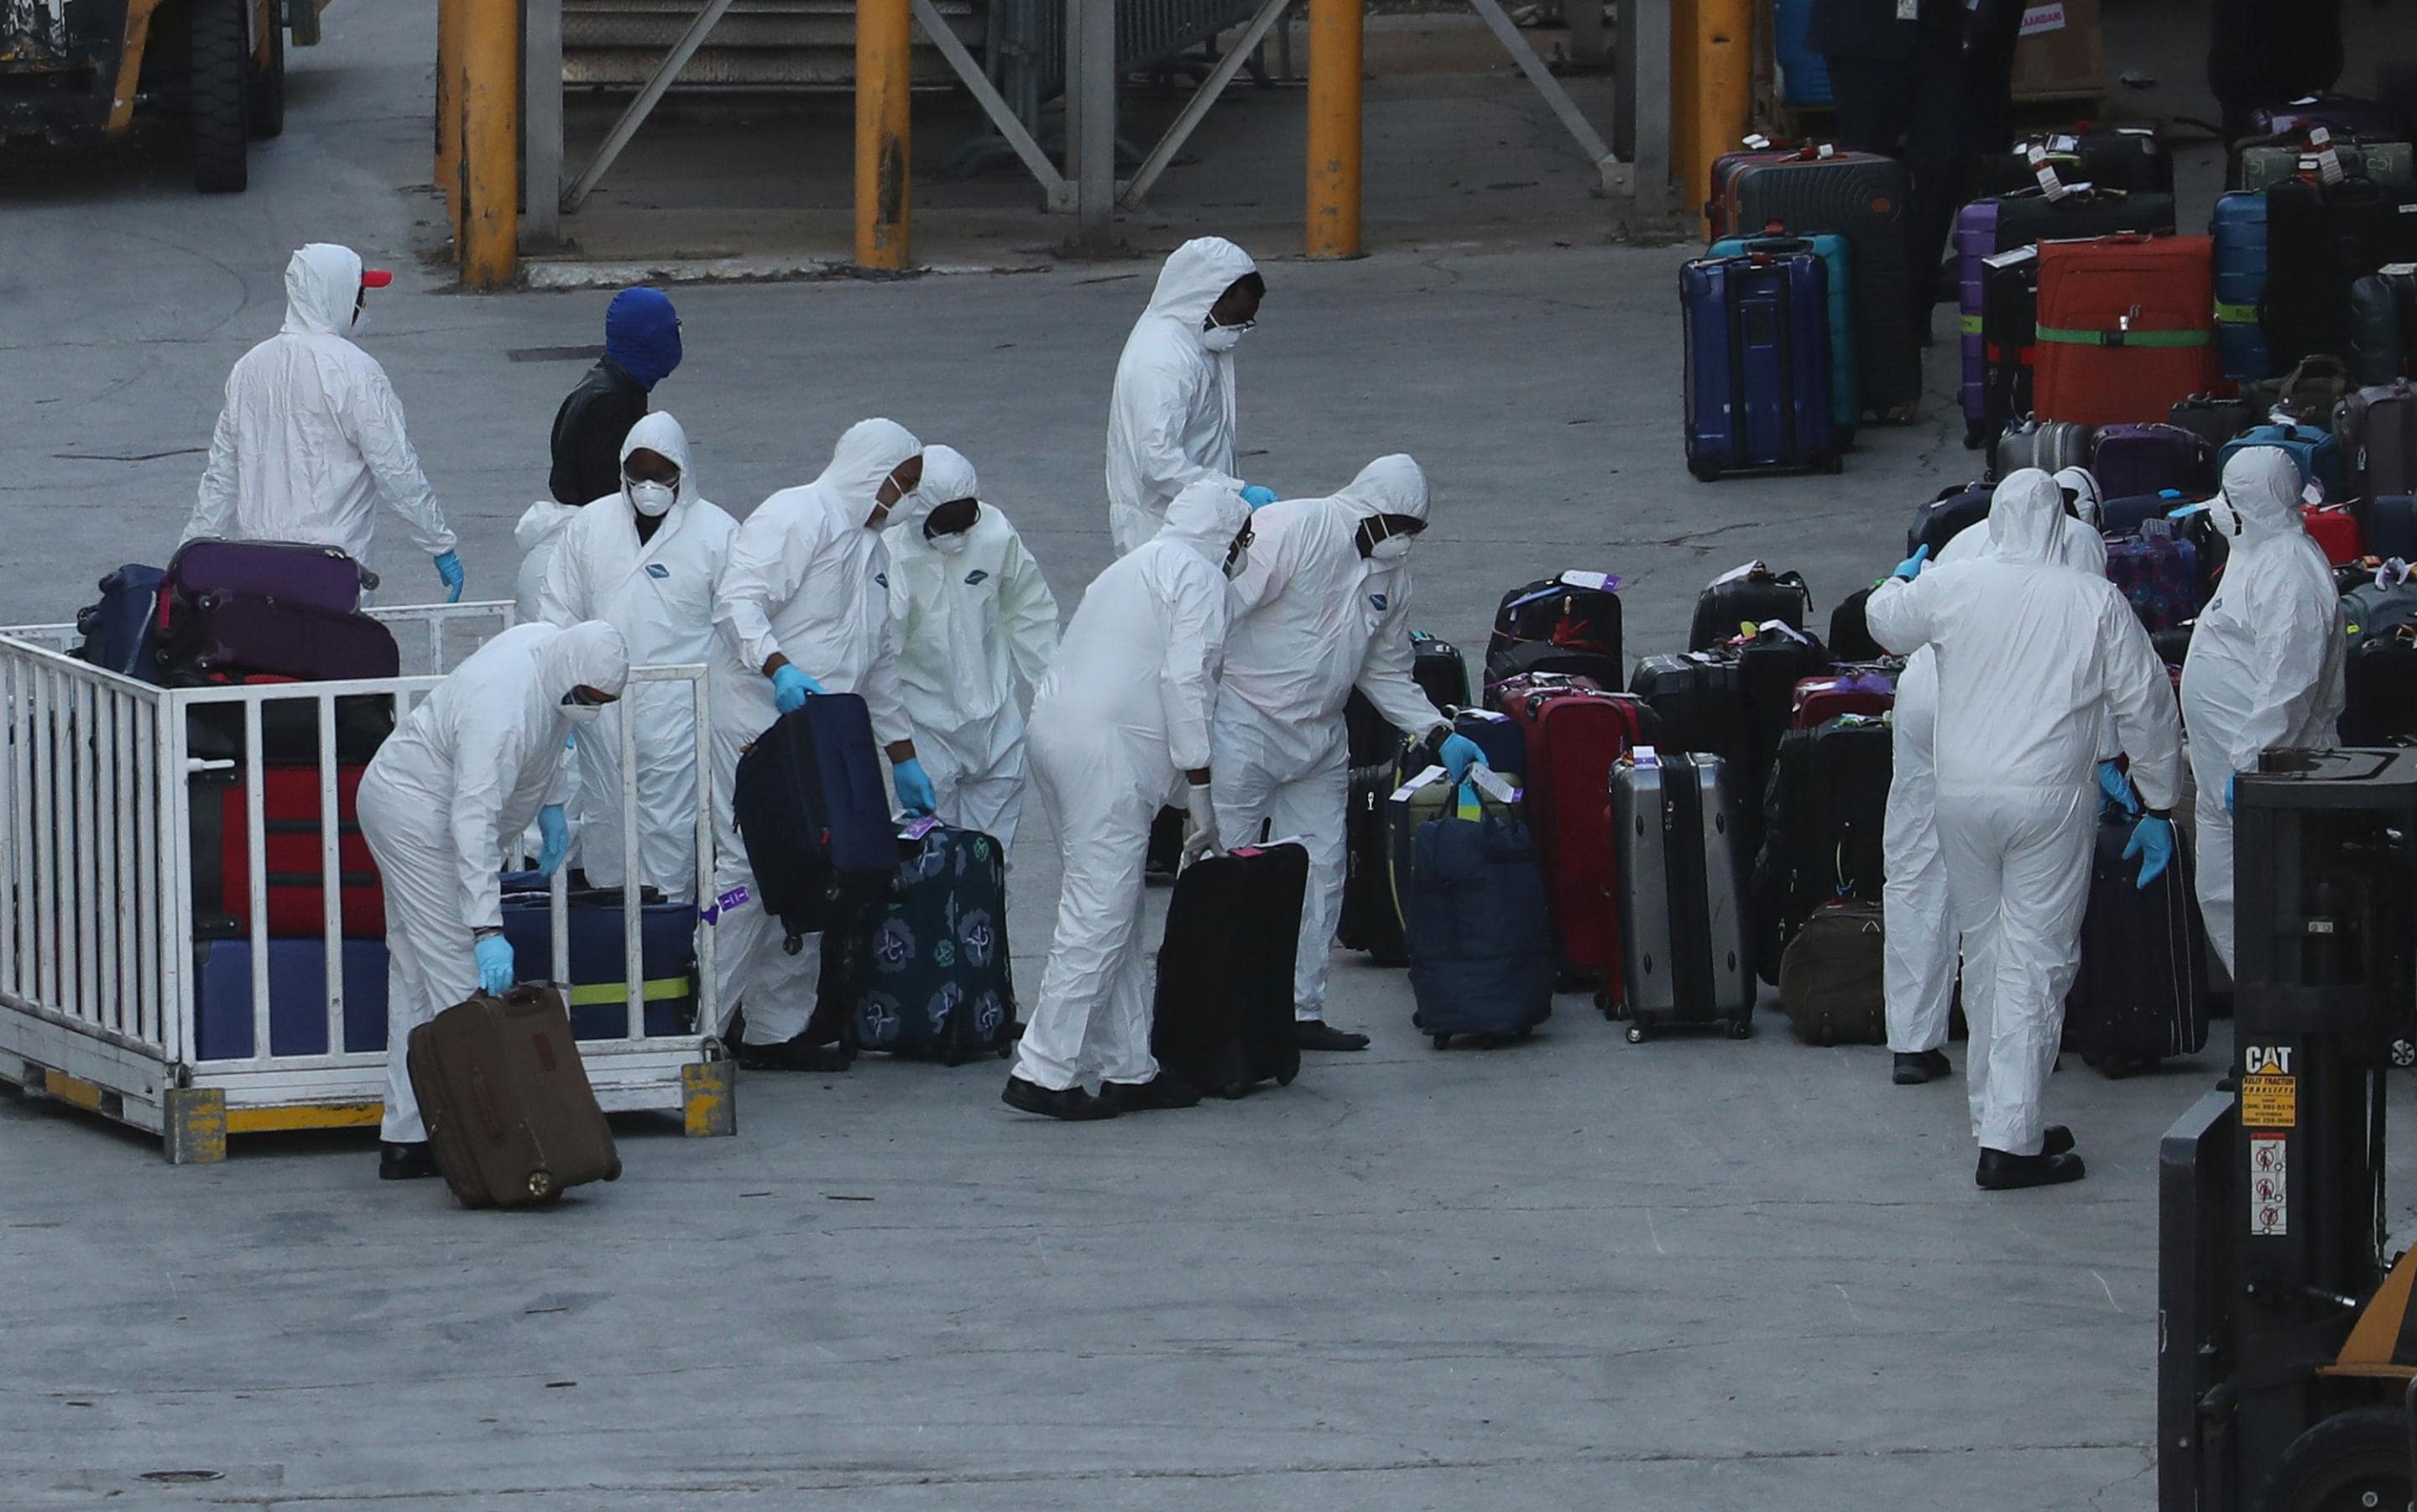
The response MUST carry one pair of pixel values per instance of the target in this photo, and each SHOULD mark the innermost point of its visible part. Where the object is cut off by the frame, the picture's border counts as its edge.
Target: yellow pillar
(1334, 120)
(1712, 86)
(883, 34)
(489, 97)
(449, 119)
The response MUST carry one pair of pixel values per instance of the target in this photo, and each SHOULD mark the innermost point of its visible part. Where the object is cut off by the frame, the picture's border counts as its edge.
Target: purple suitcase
(2129, 461)
(2159, 577)
(2338, 113)
(1976, 237)
(287, 571)
(253, 633)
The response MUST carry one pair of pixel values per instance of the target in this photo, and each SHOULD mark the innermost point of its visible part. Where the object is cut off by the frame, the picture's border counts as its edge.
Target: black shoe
(2001, 1172)
(412, 1160)
(2056, 1140)
(1921, 1066)
(1164, 1090)
(1073, 1104)
(1316, 1033)
(796, 1056)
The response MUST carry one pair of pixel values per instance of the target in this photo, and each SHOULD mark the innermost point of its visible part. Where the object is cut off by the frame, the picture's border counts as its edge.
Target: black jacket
(588, 430)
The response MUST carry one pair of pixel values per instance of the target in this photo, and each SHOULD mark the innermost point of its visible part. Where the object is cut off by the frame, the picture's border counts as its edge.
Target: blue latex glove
(1258, 497)
(791, 688)
(554, 834)
(495, 955)
(2116, 789)
(2229, 783)
(1458, 753)
(2153, 841)
(1911, 568)
(449, 570)
(914, 788)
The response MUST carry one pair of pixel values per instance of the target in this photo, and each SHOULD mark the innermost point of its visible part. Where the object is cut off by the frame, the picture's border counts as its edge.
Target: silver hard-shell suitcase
(1683, 928)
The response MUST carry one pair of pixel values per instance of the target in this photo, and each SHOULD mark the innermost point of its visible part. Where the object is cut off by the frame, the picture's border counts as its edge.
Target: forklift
(84, 70)
(2286, 1360)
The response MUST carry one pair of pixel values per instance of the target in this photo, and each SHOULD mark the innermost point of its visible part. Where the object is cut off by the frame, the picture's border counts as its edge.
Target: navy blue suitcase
(1757, 349)
(117, 631)
(1479, 925)
(815, 816)
(598, 995)
(297, 998)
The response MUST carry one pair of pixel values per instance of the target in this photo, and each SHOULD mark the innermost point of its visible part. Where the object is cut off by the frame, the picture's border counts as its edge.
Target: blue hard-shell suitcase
(297, 998)
(1837, 262)
(2240, 230)
(598, 994)
(1758, 358)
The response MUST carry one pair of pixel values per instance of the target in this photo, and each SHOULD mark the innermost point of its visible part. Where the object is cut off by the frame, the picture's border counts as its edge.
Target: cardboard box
(2062, 55)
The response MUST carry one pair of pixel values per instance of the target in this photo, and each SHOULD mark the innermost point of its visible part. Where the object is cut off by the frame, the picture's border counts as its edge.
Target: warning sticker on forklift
(2269, 1186)
(2269, 1101)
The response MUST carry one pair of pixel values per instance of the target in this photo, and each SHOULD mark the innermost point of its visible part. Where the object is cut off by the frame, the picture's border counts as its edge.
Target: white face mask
(653, 500)
(2223, 517)
(1391, 549)
(1221, 338)
(583, 713)
(950, 544)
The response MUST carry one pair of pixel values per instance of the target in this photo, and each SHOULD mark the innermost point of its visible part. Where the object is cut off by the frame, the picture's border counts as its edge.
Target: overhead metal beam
(644, 106)
(1054, 184)
(1614, 174)
(1196, 110)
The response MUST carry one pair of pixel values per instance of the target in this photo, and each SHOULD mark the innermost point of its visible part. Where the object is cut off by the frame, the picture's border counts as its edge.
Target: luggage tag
(1757, 141)
(1492, 783)
(1490, 716)
(1784, 629)
(1644, 756)
(1739, 574)
(918, 827)
(1427, 778)
(735, 899)
(2314, 493)
(1599, 582)
(2328, 157)
(2050, 182)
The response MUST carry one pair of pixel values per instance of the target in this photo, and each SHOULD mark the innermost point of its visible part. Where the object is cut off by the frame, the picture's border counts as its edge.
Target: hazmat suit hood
(659, 432)
(2089, 503)
(868, 451)
(642, 335)
(591, 653)
(2023, 518)
(1393, 484)
(1196, 275)
(948, 477)
(2262, 484)
(323, 281)
(1207, 516)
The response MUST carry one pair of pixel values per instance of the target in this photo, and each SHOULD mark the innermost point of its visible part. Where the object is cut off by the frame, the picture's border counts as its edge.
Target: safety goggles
(583, 698)
(1242, 542)
(1401, 525)
(1251, 325)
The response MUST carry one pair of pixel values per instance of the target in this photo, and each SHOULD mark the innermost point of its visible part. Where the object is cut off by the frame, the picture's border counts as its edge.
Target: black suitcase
(2009, 338)
(1223, 1016)
(1955, 510)
(1698, 702)
(2140, 996)
(2110, 157)
(1861, 198)
(2320, 239)
(1752, 598)
(814, 817)
(1369, 919)
(1686, 957)
(2214, 420)
(1824, 810)
(1851, 630)
(2383, 324)
(1553, 625)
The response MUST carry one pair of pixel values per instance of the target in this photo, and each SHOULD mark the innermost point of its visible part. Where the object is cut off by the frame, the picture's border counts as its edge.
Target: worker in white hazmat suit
(2030, 655)
(1323, 607)
(976, 625)
(646, 561)
(2265, 662)
(469, 767)
(804, 609)
(1121, 723)
(1918, 976)
(1171, 415)
(310, 437)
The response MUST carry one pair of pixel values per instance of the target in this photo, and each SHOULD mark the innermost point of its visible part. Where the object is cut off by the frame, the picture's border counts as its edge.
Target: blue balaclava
(642, 335)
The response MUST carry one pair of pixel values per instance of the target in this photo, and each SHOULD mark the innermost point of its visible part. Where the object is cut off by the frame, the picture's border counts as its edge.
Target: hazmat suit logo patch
(882, 577)
(1377, 599)
(974, 578)
(656, 569)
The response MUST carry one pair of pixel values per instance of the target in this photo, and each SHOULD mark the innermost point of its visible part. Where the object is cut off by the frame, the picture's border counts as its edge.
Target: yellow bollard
(1334, 121)
(489, 95)
(449, 119)
(883, 34)
(1711, 87)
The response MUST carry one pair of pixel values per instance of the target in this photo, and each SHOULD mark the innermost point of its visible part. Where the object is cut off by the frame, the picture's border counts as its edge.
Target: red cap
(375, 277)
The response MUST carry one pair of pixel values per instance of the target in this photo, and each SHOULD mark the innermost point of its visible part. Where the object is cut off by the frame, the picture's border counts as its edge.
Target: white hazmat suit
(312, 435)
(1311, 620)
(1122, 715)
(1171, 415)
(660, 595)
(538, 535)
(2030, 655)
(2265, 663)
(471, 765)
(1919, 971)
(809, 579)
(975, 622)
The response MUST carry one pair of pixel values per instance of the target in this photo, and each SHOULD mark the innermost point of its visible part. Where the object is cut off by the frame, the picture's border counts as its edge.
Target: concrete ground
(1575, 1273)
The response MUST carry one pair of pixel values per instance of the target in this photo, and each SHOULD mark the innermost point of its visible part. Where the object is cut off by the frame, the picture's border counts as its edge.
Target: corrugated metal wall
(758, 44)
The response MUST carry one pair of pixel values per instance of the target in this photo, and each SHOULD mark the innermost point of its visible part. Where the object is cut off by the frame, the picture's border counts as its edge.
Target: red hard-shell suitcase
(290, 838)
(1849, 690)
(2125, 328)
(1573, 739)
(2337, 532)
(511, 1118)
(261, 633)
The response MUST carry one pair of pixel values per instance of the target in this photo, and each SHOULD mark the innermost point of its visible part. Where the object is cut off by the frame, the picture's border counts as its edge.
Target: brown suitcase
(510, 1117)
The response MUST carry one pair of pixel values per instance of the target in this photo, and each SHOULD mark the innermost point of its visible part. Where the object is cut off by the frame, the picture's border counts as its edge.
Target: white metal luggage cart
(98, 969)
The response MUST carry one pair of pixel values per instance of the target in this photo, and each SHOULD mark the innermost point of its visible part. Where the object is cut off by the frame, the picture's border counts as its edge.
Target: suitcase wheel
(541, 1185)
(793, 943)
(2404, 1054)
(1829, 461)
(1284, 1077)
(1743, 1029)
(1706, 471)
(1636, 1032)
(1442, 1041)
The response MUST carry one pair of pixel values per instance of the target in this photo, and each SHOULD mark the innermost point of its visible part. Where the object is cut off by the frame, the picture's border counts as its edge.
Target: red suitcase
(1572, 738)
(290, 844)
(229, 631)
(2125, 328)
(1847, 691)
(2337, 531)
